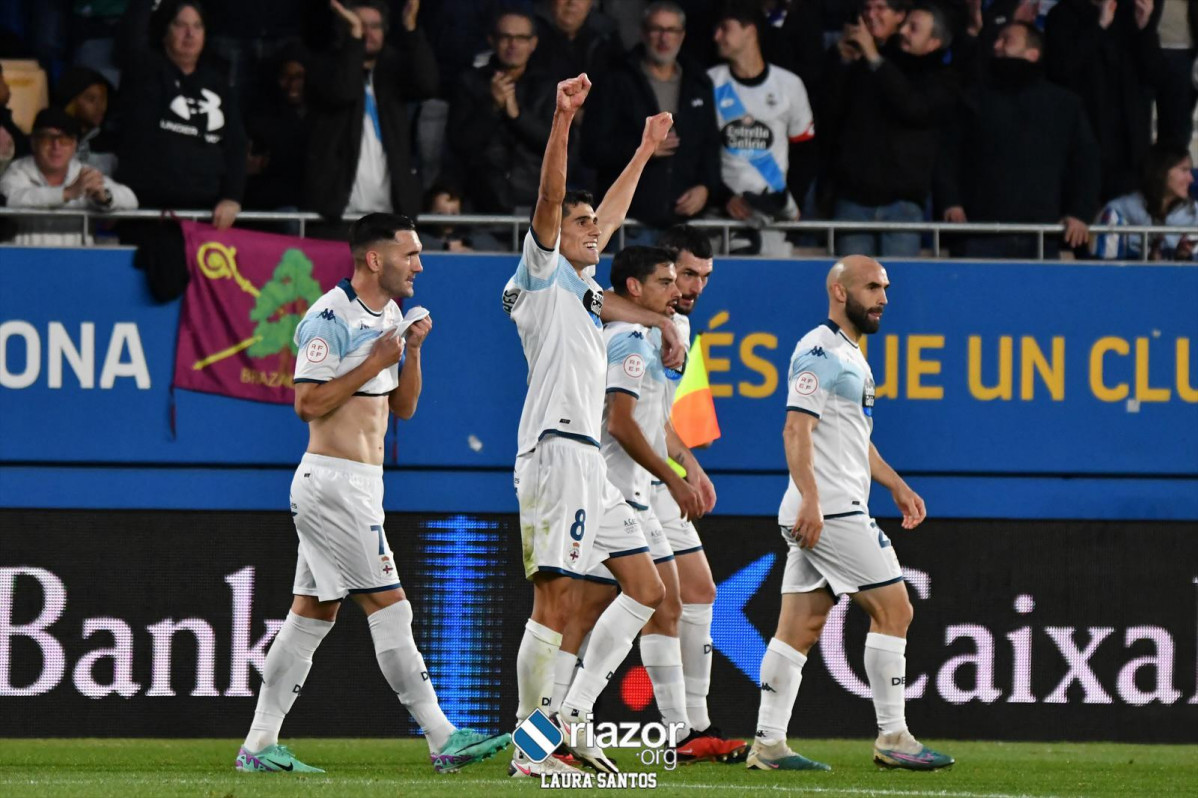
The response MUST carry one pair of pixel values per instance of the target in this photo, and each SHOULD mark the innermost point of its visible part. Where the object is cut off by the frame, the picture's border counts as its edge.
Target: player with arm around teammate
(348, 379)
(834, 547)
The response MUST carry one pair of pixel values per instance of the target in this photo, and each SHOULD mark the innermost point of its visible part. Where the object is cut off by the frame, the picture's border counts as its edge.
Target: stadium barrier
(515, 226)
(1004, 390)
(155, 624)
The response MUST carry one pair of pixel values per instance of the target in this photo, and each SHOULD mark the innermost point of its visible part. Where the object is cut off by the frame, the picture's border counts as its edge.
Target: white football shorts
(337, 506)
(659, 547)
(680, 532)
(569, 511)
(853, 554)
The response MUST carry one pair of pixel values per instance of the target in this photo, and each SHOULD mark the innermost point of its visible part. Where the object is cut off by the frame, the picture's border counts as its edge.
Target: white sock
(582, 650)
(886, 669)
(404, 669)
(611, 640)
(563, 674)
(534, 668)
(781, 675)
(662, 658)
(694, 633)
(286, 668)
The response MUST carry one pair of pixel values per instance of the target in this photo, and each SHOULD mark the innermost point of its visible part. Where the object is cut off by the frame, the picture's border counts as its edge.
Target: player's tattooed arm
(908, 501)
(695, 474)
(623, 427)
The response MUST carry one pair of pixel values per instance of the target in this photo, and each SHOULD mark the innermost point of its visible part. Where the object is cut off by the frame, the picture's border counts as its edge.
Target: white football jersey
(336, 335)
(634, 367)
(556, 312)
(829, 379)
(673, 378)
(758, 120)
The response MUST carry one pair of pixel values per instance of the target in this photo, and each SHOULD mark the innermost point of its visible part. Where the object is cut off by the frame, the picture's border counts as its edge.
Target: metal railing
(726, 227)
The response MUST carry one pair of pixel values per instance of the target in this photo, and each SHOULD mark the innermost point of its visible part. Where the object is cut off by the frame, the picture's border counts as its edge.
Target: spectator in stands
(1109, 54)
(182, 144)
(888, 110)
(684, 170)
(768, 155)
(278, 135)
(1163, 199)
(499, 120)
(573, 38)
(884, 18)
(1178, 29)
(85, 93)
(53, 178)
(359, 153)
(13, 143)
(1020, 150)
(444, 200)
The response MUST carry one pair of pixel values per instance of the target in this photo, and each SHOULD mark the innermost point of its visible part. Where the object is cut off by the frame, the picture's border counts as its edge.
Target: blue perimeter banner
(1017, 389)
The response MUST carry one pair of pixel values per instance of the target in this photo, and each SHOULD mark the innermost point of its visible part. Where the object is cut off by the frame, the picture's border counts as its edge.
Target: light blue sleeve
(628, 357)
(810, 380)
(323, 339)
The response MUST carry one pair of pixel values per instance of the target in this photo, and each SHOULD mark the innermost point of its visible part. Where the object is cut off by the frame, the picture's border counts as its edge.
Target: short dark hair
(576, 197)
(684, 238)
(746, 12)
(162, 17)
(901, 6)
(438, 188)
(1035, 39)
(375, 227)
(942, 27)
(512, 11)
(638, 263)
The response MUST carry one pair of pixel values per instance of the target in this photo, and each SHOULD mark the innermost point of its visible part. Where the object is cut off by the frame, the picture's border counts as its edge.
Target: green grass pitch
(107, 768)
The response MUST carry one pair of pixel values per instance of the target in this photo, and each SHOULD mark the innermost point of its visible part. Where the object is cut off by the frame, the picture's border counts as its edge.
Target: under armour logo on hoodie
(190, 107)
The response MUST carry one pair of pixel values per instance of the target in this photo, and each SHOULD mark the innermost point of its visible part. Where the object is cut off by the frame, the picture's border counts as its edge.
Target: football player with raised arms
(569, 511)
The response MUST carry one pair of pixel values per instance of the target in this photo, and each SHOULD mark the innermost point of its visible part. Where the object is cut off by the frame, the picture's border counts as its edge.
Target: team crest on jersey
(806, 383)
(593, 302)
(867, 398)
(634, 366)
(316, 350)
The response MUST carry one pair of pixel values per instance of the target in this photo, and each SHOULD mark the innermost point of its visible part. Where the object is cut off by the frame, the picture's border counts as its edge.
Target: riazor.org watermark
(653, 745)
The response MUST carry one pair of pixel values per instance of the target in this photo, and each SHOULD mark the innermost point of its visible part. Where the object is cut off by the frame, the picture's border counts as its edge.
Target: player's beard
(858, 314)
(683, 311)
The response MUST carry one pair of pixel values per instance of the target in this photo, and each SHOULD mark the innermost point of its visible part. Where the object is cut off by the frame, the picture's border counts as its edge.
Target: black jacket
(1114, 71)
(499, 158)
(887, 123)
(1019, 150)
(182, 144)
(595, 49)
(336, 87)
(615, 121)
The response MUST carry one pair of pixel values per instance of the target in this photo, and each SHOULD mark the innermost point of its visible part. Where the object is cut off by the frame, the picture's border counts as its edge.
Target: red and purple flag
(248, 292)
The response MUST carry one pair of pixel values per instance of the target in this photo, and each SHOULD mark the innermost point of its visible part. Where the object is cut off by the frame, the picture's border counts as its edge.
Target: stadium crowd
(1031, 111)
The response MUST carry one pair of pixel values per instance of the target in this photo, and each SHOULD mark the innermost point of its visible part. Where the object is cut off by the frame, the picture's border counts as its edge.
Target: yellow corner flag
(693, 413)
